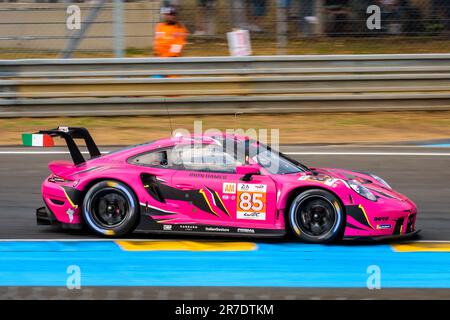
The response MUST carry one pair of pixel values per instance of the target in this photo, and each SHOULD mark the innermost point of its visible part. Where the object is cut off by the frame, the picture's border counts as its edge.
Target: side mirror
(248, 171)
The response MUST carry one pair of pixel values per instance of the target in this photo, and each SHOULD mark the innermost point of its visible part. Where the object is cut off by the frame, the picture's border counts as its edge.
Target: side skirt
(148, 225)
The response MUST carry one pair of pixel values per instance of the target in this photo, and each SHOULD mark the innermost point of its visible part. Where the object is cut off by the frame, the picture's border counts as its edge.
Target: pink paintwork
(248, 169)
(221, 202)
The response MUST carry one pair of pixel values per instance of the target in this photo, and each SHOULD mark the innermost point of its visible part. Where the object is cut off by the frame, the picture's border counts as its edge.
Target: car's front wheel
(316, 216)
(110, 209)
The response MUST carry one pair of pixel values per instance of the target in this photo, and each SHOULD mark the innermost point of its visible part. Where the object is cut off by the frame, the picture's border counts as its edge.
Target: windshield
(274, 161)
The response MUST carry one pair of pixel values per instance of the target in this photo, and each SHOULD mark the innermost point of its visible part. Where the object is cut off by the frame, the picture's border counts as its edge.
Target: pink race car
(216, 185)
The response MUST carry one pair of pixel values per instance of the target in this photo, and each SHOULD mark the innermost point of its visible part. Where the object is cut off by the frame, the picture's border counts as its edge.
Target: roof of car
(204, 138)
(213, 138)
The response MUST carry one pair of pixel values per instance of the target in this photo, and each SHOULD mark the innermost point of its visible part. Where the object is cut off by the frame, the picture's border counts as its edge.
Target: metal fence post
(282, 27)
(118, 29)
(319, 13)
(78, 35)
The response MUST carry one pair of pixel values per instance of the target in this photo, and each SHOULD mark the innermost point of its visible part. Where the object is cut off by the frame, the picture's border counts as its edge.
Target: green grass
(219, 47)
(371, 127)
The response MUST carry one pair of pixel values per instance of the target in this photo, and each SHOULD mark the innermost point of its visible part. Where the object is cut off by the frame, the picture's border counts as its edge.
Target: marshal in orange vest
(170, 39)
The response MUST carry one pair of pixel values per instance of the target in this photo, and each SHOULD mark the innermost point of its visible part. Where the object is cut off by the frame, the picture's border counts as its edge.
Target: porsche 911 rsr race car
(215, 185)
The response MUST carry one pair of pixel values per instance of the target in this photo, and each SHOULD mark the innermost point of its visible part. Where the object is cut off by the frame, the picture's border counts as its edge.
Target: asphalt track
(422, 173)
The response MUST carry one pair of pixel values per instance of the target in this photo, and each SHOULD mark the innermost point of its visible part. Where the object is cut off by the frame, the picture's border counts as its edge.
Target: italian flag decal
(37, 140)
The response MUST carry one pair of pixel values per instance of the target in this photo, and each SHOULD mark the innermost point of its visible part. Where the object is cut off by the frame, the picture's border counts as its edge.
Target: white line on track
(203, 240)
(81, 239)
(428, 154)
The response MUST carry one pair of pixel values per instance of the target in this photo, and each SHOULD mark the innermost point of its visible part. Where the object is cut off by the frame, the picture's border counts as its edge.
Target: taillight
(57, 179)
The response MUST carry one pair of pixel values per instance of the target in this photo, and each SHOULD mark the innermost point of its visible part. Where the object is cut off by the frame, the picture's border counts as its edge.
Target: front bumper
(404, 236)
(381, 220)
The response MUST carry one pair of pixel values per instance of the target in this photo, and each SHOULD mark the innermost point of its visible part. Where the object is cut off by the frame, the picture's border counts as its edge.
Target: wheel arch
(137, 218)
(96, 180)
(296, 191)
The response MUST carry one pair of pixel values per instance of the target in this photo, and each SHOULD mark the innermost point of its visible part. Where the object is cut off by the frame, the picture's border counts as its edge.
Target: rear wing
(44, 138)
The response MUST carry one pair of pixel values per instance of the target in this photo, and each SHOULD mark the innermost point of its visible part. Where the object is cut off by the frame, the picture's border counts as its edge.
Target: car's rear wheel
(316, 216)
(110, 209)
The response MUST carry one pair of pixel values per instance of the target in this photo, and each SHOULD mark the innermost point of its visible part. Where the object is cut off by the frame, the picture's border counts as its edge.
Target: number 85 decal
(251, 201)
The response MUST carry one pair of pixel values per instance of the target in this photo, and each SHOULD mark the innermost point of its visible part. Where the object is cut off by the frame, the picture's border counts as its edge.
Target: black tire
(110, 209)
(316, 216)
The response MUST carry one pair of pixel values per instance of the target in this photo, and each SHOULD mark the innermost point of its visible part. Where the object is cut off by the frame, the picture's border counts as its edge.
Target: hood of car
(330, 175)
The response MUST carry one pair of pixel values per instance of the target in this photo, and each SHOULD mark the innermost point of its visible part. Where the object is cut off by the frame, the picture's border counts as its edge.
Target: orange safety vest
(169, 39)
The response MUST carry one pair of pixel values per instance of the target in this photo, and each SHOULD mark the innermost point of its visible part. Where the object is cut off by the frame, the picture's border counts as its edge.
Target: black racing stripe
(161, 192)
(200, 202)
(356, 213)
(218, 201)
(193, 196)
(155, 212)
(73, 194)
(349, 225)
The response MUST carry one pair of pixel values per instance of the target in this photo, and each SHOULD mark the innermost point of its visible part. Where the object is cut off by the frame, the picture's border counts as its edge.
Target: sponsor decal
(229, 188)
(188, 227)
(332, 182)
(325, 179)
(217, 229)
(167, 227)
(251, 201)
(383, 226)
(251, 215)
(260, 187)
(207, 176)
(381, 219)
(225, 197)
(252, 187)
(245, 230)
(70, 214)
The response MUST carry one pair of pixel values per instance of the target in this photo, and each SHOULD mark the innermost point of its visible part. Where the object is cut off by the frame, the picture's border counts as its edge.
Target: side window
(205, 158)
(158, 158)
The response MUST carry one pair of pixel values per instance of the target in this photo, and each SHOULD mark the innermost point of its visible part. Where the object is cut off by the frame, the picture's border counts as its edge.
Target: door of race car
(217, 195)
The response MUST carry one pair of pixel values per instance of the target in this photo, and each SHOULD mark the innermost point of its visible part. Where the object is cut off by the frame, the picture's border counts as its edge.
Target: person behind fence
(440, 14)
(205, 16)
(258, 12)
(170, 35)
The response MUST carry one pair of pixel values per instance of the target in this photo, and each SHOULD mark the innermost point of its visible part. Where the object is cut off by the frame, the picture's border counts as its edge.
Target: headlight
(361, 190)
(381, 181)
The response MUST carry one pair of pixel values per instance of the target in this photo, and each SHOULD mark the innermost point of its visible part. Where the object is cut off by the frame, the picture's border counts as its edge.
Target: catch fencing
(36, 29)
